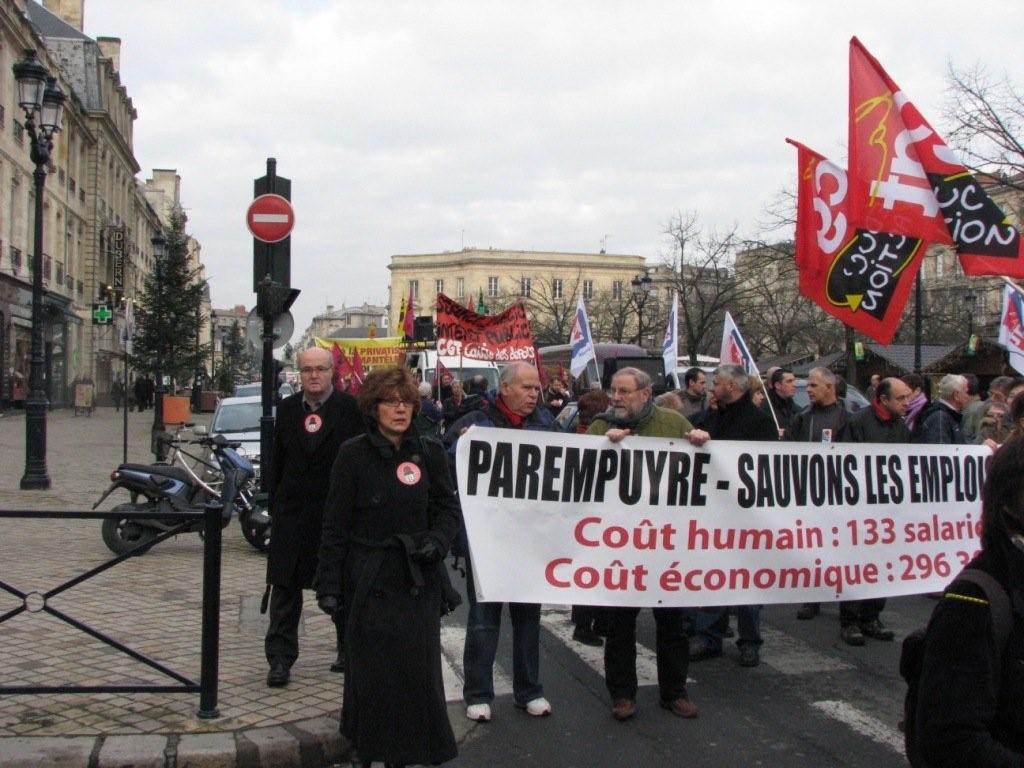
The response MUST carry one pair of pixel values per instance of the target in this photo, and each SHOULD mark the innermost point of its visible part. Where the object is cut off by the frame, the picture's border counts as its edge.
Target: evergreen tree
(235, 363)
(169, 311)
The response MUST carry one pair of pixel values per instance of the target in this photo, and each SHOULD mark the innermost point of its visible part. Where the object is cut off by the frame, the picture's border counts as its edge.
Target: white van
(424, 363)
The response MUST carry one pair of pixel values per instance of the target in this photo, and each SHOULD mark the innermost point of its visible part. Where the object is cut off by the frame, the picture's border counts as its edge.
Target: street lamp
(641, 290)
(969, 298)
(213, 344)
(156, 438)
(41, 99)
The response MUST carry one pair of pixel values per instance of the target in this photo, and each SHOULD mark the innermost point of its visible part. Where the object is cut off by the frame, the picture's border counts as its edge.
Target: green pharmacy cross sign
(101, 314)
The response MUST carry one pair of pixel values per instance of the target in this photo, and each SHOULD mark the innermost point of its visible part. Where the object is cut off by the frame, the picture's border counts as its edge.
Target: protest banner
(560, 518)
(502, 338)
(371, 352)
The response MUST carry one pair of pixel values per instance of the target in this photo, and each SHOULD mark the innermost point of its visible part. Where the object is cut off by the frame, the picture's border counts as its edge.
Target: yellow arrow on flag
(853, 300)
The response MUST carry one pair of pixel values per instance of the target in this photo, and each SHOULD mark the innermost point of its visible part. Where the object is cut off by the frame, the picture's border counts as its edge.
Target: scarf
(914, 409)
(628, 422)
(514, 419)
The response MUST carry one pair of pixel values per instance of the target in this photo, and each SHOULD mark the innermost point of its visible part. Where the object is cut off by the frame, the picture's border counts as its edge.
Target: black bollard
(210, 660)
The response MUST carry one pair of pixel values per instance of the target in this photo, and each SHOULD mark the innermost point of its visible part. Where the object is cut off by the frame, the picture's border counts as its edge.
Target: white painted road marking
(862, 723)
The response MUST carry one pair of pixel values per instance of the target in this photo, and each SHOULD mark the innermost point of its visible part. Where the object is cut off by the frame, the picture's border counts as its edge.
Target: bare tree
(701, 271)
(612, 318)
(985, 116)
(551, 304)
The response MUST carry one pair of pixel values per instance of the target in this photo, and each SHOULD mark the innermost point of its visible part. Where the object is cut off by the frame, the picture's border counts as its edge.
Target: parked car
(249, 390)
(238, 419)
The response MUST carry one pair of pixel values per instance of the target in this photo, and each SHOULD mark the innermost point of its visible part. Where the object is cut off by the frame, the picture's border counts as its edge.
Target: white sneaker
(479, 712)
(539, 707)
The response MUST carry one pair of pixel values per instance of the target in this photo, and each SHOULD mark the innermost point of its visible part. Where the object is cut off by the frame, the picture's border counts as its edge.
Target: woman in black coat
(970, 697)
(390, 517)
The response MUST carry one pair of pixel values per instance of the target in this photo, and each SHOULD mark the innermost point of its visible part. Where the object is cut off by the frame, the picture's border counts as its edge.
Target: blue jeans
(482, 628)
(709, 625)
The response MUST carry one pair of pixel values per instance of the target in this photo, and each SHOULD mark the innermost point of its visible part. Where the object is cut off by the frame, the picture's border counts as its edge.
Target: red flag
(337, 355)
(904, 179)
(859, 277)
(469, 302)
(408, 322)
(343, 377)
(439, 372)
(357, 366)
(542, 372)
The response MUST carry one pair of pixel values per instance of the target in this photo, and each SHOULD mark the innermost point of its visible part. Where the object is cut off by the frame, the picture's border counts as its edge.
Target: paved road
(813, 701)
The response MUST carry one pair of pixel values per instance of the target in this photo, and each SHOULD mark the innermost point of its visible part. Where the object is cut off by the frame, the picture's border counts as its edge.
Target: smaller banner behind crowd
(560, 518)
(371, 352)
(502, 338)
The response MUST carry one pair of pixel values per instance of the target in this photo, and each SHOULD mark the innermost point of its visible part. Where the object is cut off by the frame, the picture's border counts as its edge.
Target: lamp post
(641, 290)
(42, 100)
(156, 437)
(969, 298)
(213, 345)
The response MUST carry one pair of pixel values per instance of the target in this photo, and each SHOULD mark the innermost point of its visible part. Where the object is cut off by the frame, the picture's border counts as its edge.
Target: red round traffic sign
(270, 218)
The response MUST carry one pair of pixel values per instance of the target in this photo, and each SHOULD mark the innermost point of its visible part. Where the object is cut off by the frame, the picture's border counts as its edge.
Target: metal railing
(35, 602)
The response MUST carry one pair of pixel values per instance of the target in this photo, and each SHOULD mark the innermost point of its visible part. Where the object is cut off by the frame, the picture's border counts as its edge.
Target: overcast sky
(410, 127)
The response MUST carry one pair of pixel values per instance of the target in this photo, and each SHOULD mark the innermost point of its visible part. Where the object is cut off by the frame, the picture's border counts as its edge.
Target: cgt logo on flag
(1012, 332)
(580, 341)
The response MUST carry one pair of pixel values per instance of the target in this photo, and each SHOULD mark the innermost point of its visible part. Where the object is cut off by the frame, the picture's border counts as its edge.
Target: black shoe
(587, 637)
(808, 611)
(852, 635)
(876, 631)
(701, 649)
(278, 676)
(339, 664)
(749, 655)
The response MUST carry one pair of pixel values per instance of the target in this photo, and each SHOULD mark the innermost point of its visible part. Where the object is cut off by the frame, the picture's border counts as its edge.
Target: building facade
(548, 283)
(99, 220)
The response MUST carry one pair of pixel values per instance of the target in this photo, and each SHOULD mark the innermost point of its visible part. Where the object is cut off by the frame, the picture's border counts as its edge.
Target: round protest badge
(313, 423)
(408, 473)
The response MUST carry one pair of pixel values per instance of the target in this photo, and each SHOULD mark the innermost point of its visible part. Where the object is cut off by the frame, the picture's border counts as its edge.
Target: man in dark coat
(736, 418)
(823, 421)
(881, 423)
(311, 426)
(139, 390)
(940, 422)
(781, 389)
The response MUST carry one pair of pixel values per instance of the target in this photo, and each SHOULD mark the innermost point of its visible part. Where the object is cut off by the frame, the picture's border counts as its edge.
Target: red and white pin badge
(408, 473)
(313, 423)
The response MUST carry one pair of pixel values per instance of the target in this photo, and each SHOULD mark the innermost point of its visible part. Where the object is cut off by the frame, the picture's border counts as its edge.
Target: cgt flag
(734, 349)
(905, 180)
(581, 341)
(861, 278)
(1011, 327)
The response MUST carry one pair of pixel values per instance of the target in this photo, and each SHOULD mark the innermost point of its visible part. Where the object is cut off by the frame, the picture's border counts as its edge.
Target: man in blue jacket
(514, 406)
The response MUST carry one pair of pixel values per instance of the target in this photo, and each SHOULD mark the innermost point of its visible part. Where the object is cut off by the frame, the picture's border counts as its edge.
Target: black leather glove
(328, 604)
(428, 552)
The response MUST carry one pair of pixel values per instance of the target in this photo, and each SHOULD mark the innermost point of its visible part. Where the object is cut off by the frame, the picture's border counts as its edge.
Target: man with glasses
(881, 423)
(513, 407)
(633, 412)
(311, 426)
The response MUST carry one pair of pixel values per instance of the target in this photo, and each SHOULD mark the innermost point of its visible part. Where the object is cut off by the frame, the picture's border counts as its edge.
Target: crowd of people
(365, 512)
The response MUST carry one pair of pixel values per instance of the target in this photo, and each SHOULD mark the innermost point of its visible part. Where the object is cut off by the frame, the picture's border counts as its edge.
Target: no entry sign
(270, 218)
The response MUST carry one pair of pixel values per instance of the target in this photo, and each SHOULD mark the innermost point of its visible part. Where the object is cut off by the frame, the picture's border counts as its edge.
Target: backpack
(912, 653)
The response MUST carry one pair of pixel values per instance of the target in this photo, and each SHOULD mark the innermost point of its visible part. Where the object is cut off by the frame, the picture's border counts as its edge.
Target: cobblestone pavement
(152, 604)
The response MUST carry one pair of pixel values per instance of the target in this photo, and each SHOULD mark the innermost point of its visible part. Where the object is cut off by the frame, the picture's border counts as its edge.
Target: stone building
(548, 283)
(364, 321)
(99, 220)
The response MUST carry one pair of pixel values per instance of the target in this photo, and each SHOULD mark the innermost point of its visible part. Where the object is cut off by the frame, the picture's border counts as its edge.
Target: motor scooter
(165, 488)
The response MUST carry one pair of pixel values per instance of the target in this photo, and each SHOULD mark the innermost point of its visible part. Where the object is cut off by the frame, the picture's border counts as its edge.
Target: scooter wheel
(122, 534)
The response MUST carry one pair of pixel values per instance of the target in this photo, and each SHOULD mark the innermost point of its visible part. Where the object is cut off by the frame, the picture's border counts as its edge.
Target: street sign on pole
(270, 218)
